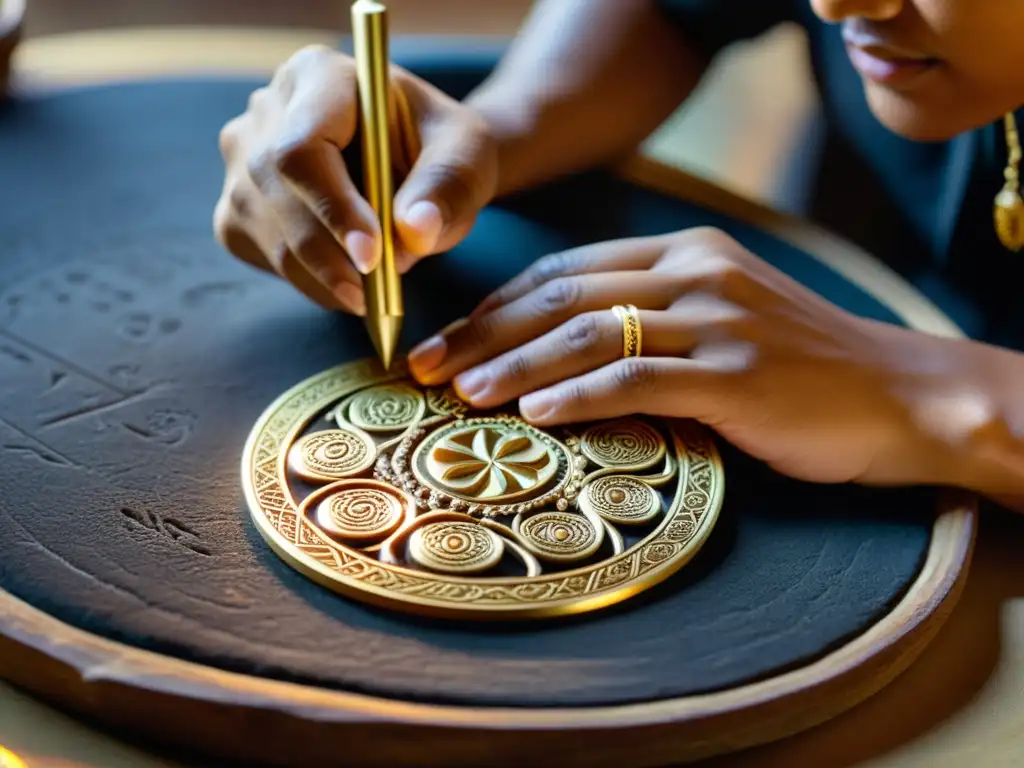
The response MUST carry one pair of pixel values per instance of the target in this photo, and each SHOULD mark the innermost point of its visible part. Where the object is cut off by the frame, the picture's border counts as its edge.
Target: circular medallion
(452, 512)
(357, 510)
(560, 537)
(623, 444)
(455, 547)
(386, 408)
(621, 499)
(331, 454)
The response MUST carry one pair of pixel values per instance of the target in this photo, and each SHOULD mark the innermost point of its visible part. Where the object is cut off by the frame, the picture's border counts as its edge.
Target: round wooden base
(259, 720)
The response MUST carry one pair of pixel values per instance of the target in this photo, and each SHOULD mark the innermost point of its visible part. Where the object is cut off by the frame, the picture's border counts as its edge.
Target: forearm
(584, 83)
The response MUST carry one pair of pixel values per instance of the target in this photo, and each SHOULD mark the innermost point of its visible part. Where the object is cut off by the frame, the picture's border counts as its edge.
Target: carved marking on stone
(168, 528)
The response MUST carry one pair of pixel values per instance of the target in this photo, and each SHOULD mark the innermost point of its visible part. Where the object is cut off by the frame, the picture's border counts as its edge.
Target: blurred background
(742, 129)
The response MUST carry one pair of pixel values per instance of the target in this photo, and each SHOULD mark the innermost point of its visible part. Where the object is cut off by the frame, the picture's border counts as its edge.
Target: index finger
(319, 121)
(611, 256)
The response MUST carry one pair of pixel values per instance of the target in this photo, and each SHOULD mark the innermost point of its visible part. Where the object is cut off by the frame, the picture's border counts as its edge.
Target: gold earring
(1009, 207)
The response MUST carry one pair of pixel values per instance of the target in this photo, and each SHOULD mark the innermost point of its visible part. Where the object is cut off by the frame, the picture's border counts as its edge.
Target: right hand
(290, 206)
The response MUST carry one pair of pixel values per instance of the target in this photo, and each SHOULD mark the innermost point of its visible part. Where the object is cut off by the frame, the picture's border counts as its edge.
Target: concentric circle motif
(621, 499)
(459, 548)
(623, 444)
(331, 454)
(561, 537)
(386, 408)
(420, 503)
(360, 511)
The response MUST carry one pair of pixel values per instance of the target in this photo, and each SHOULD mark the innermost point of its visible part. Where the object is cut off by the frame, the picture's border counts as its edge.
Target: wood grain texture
(258, 720)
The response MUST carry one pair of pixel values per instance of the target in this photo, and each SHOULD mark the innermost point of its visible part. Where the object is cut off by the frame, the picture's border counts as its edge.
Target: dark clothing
(923, 208)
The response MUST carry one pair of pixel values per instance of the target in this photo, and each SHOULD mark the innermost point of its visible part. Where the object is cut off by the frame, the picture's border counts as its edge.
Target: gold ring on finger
(632, 333)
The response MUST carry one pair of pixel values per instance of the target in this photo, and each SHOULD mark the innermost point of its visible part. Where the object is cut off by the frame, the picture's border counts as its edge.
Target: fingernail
(471, 384)
(426, 219)
(361, 250)
(536, 405)
(428, 355)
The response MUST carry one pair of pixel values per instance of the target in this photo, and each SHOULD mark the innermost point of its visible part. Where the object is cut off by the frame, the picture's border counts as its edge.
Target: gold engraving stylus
(383, 288)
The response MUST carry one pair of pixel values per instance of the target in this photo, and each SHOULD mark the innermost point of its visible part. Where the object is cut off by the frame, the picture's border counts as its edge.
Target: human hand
(816, 392)
(290, 206)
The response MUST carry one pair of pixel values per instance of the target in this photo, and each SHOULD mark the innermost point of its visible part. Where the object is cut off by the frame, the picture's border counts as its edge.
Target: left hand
(816, 392)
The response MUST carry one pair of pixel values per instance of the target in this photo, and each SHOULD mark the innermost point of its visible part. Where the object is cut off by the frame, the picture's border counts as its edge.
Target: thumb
(451, 181)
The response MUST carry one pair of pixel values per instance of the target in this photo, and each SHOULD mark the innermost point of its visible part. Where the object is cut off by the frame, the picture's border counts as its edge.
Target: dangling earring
(1009, 207)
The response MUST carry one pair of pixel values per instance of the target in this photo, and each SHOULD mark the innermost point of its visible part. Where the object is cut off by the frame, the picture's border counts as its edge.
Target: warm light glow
(10, 760)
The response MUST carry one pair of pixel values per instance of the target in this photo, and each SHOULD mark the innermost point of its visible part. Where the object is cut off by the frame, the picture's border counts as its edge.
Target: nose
(840, 10)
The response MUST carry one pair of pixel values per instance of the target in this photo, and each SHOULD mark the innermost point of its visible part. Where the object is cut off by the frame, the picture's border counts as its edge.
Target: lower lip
(890, 72)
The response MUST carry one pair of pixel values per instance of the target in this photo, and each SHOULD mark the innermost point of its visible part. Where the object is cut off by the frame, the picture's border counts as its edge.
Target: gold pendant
(1009, 218)
(403, 497)
(1009, 208)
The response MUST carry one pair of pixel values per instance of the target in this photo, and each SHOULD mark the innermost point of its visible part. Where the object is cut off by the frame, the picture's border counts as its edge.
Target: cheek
(983, 43)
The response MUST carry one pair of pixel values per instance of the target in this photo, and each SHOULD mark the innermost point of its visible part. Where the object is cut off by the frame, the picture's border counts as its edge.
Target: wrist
(973, 412)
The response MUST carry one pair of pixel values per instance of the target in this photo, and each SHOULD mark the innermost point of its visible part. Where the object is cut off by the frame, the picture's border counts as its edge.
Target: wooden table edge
(98, 677)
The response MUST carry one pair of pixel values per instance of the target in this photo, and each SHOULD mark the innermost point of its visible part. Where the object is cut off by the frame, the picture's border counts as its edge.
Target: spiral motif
(623, 443)
(360, 513)
(560, 536)
(455, 547)
(446, 403)
(621, 499)
(331, 454)
(386, 408)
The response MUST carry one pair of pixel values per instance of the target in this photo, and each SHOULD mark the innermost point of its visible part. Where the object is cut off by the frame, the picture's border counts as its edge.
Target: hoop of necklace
(1009, 206)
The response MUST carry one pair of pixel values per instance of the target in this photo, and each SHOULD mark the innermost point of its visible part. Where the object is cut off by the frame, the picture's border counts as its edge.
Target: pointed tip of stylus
(385, 331)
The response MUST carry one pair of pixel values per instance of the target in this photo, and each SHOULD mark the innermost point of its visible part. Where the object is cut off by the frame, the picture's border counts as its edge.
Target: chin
(913, 118)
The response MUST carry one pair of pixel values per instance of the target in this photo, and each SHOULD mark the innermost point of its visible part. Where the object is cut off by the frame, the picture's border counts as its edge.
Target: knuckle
(300, 61)
(550, 267)
(559, 295)
(635, 375)
(480, 331)
(582, 333)
(261, 169)
(743, 326)
(227, 139)
(457, 185)
(312, 53)
(706, 237)
(308, 245)
(725, 271)
(578, 394)
(712, 235)
(290, 155)
(256, 99)
(516, 367)
(238, 202)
